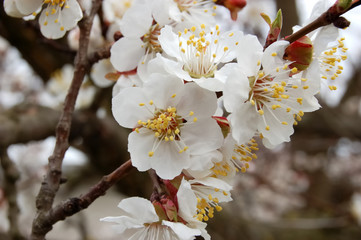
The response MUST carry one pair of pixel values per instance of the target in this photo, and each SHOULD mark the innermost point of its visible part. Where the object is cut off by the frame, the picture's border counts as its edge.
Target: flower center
(330, 62)
(55, 2)
(196, 7)
(166, 125)
(243, 154)
(53, 7)
(150, 40)
(199, 54)
(184, 5)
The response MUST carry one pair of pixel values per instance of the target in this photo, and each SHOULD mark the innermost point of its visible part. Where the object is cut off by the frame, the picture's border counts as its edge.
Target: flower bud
(300, 53)
(172, 186)
(275, 27)
(160, 211)
(343, 5)
(234, 6)
(223, 124)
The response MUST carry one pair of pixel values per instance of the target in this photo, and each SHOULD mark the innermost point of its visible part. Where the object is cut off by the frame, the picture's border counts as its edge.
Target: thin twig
(75, 205)
(51, 182)
(332, 15)
(11, 175)
(155, 179)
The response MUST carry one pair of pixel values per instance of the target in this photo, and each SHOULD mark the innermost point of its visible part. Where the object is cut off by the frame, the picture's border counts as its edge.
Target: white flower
(210, 191)
(265, 100)
(115, 9)
(140, 38)
(328, 51)
(184, 13)
(96, 39)
(139, 221)
(57, 17)
(171, 121)
(199, 56)
(142, 220)
(57, 88)
(127, 80)
(99, 71)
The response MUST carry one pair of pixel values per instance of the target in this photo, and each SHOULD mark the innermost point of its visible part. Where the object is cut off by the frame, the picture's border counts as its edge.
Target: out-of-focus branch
(51, 182)
(100, 54)
(41, 57)
(75, 205)
(26, 122)
(11, 175)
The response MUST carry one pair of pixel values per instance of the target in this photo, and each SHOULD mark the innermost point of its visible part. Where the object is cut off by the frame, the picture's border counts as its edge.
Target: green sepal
(160, 211)
(275, 27)
(344, 4)
(267, 19)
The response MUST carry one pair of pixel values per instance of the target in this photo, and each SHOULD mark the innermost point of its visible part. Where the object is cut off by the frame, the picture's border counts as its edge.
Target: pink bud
(234, 6)
(223, 124)
(300, 53)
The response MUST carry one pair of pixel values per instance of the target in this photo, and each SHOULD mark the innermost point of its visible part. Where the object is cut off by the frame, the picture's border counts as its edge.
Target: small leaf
(266, 18)
(344, 4)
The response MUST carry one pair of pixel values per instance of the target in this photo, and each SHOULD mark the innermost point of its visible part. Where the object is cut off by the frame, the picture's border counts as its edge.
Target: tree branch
(75, 205)
(11, 175)
(51, 182)
(332, 15)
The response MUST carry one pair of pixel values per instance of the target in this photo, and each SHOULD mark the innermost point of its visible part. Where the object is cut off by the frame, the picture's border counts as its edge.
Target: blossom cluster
(199, 100)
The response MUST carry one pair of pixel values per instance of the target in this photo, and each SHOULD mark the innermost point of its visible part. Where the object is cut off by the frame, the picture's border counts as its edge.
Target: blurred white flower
(57, 17)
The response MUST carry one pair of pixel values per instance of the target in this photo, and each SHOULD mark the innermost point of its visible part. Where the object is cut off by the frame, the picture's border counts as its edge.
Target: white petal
(136, 21)
(249, 55)
(324, 36)
(126, 109)
(11, 9)
(124, 222)
(27, 7)
(231, 40)
(50, 25)
(169, 42)
(278, 133)
(187, 201)
(236, 89)
(140, 209)
(71, 15)
(162, 17)
(164, 65)
(167, 161)
(126, 53)
(182, 231)
(269, 62)
(98, 72)
(213, 182)
(203, 136)
(139, 145)
(204, 161)
(243, 121)
(164, 89)
(200, 101)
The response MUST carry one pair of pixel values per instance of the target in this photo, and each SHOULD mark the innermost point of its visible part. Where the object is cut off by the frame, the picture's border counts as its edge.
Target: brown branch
(27, 122)
(156, 183)
(75, 205)
(51, 182)
(100, 54)
(11, 175)
(332, 15)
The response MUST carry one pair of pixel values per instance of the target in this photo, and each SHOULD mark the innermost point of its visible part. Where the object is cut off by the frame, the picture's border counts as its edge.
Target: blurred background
(309, 188)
